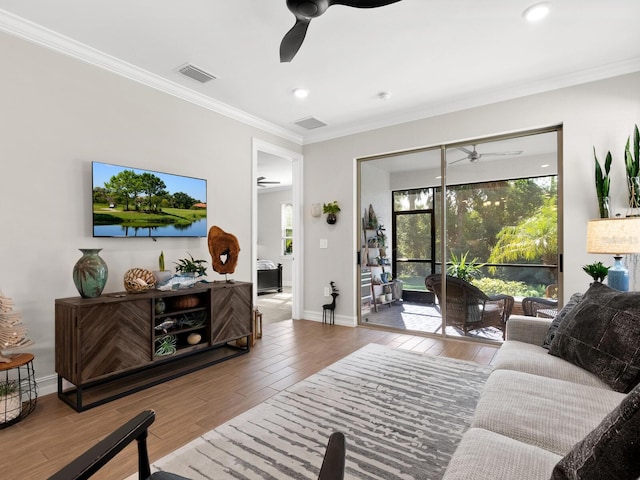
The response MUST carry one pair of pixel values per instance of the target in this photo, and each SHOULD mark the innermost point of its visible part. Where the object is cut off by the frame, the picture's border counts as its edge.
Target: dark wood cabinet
(120, 343)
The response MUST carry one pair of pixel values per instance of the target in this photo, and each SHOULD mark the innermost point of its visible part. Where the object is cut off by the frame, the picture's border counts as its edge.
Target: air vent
(196, 73)
(310, 123)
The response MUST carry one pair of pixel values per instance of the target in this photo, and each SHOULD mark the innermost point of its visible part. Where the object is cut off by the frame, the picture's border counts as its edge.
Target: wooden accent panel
(66, 341)
(232, 316)
(114, 338)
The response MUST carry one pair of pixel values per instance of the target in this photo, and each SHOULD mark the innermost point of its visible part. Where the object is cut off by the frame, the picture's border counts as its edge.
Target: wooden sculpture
(224, 250)
(12, 332)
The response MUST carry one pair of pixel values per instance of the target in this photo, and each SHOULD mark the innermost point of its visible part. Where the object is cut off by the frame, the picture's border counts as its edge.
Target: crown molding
(32, 32)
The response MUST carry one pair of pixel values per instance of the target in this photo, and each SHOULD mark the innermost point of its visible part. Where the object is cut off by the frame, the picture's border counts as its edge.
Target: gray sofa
(532, 410)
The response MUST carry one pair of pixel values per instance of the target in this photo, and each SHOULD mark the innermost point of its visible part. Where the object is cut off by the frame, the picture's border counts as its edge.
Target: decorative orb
(138, 280)
(194, 338)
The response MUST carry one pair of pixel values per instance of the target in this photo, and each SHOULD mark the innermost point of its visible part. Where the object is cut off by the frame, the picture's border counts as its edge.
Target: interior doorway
(277, 231)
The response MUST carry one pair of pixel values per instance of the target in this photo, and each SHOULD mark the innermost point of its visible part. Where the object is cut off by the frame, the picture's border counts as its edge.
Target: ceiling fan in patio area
(262, 182)
(305, 10)
(473, 156)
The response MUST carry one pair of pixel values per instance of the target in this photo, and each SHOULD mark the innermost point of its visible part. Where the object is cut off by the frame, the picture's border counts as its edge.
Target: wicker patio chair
(539, 307)
(468, 308)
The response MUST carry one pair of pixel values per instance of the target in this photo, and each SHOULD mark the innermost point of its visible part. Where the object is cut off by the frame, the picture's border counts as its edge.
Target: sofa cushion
(575, 299)
(602, 334)
(528, 358)
(611, 450)
(485, 455)
(545, 412)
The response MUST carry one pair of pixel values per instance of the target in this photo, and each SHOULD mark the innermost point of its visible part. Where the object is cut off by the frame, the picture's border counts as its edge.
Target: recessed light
(536, 12)
(384, 96)
(546, 165)
(301, 92)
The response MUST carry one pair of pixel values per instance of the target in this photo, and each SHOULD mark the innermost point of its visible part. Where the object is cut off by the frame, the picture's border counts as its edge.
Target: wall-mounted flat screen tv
(133, 202)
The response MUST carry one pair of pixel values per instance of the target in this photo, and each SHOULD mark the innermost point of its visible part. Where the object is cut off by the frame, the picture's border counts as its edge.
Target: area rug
(403, 414)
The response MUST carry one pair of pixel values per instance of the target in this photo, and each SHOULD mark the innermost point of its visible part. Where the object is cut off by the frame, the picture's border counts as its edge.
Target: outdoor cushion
(601, 334)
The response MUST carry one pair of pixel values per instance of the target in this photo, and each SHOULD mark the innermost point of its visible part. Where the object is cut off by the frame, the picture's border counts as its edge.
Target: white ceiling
(433, 56)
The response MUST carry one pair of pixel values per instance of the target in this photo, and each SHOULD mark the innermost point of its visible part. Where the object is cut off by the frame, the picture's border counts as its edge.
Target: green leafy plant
(190, 265)
(331, 207)
(463, 269)
(161, 261)
(632, 164)
(602, 184)
(8, 388)
(597, 271)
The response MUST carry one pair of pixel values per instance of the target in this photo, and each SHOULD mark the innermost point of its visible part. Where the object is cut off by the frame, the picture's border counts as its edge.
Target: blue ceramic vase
(90, 273)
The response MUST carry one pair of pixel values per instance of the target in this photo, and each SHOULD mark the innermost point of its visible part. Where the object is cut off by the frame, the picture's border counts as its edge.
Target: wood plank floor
(189, 406)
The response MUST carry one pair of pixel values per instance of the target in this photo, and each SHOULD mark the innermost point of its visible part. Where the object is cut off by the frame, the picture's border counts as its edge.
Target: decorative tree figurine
(12, 332)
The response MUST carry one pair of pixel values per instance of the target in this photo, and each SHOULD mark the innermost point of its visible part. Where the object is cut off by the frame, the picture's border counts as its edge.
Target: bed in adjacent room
(269, 276)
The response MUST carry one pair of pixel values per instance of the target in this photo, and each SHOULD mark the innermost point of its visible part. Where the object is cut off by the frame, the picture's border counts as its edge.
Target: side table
(18, 389)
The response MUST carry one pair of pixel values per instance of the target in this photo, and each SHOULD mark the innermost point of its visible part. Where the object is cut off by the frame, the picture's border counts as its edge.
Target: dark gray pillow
(602, 335)
(610, 451)
(575, 299)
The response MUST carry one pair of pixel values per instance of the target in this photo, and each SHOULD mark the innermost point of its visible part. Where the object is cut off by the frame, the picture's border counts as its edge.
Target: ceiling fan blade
(514, 152)
(460, 160)
(362, 3)
(293, 39)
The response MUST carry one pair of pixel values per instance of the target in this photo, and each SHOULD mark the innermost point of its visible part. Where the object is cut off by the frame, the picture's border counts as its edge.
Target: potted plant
(632, 164)
(463, 269)
(331, 209)
(602, 184)
(10, 404)
(161, 274)
(597, 271)
(190, 266)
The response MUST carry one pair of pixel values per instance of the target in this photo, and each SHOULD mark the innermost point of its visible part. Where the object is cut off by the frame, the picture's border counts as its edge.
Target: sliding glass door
(483, 212)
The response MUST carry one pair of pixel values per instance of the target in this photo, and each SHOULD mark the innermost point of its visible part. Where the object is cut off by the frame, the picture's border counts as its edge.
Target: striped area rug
(403, 415)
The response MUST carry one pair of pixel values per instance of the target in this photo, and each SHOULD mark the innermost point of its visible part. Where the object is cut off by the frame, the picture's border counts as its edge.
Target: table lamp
(616, 236)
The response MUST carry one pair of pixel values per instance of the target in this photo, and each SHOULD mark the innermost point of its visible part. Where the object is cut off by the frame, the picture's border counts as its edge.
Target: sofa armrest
(527, 329)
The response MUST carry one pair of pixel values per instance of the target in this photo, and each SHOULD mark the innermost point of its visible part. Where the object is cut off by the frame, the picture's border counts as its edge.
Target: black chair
(468, 307)
(91, 461)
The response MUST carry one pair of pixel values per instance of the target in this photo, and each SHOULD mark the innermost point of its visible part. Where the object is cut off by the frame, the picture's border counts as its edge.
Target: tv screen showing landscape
(133, 202)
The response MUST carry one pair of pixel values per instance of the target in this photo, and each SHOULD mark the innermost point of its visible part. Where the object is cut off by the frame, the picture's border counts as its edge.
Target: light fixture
(384, 96)
(536, 12)
(615, 236)
(301, 92)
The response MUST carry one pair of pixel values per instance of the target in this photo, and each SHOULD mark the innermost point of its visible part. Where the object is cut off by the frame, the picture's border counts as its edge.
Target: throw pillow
(575, 299)
(602, 335)
(610, 451)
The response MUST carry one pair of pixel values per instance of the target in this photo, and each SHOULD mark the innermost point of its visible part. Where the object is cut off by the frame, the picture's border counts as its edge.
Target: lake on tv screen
(194, 229)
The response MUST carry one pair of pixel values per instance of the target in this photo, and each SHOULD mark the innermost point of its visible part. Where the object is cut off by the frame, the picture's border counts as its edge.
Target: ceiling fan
(262, 182)
(474, 156)
(305, 10)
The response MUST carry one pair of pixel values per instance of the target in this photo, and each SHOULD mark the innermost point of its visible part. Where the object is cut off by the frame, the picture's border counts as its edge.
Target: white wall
(600, 114)
(59, 114)
(269, 229)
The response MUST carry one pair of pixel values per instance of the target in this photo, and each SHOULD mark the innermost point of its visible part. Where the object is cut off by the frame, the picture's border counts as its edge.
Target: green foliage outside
(506, 221)
(495, 286)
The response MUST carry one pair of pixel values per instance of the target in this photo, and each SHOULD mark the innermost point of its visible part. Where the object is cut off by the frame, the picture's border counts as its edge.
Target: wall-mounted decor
(316, 210)
(133, 202)
(331, 209)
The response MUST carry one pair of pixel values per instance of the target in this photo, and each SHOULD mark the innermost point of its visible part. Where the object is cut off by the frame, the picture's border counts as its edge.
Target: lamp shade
(614, 235)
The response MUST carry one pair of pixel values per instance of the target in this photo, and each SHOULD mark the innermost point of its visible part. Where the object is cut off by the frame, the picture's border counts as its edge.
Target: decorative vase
(331, 218)
(634, 196)
(90, 273)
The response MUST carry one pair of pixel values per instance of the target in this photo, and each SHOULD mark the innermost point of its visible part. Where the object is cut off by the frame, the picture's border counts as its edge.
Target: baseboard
(343, 320)
(47, 385)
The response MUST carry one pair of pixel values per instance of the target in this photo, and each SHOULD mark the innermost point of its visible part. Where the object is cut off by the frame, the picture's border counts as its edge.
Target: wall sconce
(616, 236)
(316, 210)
